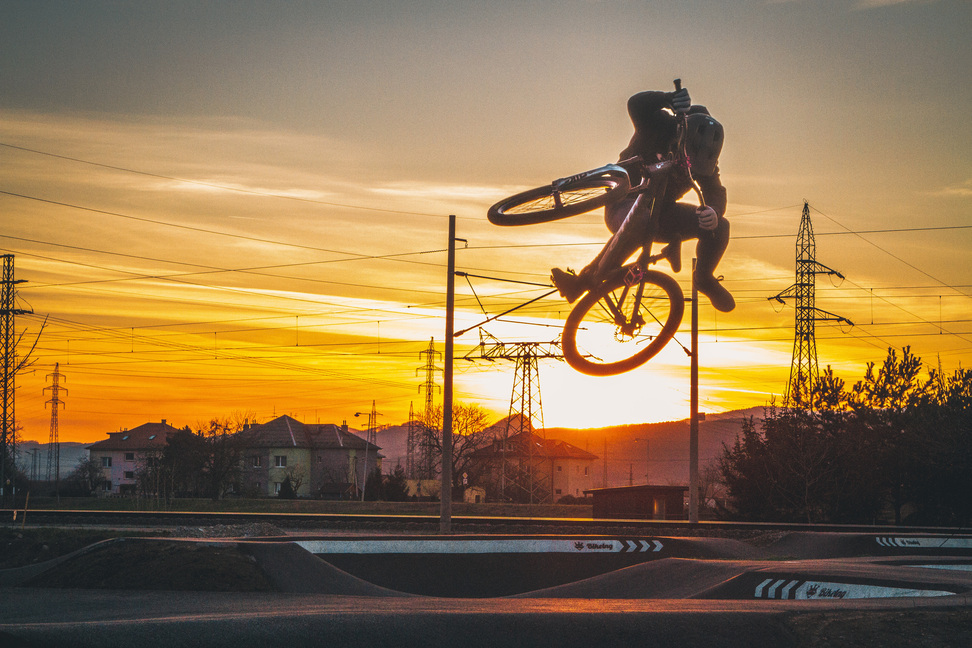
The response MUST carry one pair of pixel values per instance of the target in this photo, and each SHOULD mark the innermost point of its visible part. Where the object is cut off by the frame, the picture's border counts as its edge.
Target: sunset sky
(243, 207)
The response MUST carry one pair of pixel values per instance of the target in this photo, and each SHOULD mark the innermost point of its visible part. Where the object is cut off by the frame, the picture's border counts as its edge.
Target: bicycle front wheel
(547, 203)
(616, 327)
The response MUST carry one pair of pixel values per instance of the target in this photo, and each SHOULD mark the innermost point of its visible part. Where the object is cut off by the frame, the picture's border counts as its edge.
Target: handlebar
(680, 155)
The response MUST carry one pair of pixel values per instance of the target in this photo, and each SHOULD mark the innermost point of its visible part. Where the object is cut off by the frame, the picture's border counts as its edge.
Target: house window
(276, 487)
(129, 474)
(106, 486)
(257, 462)
(320, 458)
(560, 468)
(280, 461)
(558, 491)
(129, 456)
(585, 469)
(106, 463)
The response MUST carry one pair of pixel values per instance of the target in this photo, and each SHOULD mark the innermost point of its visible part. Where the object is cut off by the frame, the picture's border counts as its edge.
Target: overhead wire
(351, 256)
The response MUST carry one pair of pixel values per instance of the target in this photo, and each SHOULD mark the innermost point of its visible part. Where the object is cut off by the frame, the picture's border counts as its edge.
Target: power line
(191, 228)
(894, 256)
(213, 185)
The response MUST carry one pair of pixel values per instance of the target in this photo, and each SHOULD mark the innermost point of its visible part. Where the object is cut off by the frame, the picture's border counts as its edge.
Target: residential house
(321, 460)
(528, 467)
(124, 452)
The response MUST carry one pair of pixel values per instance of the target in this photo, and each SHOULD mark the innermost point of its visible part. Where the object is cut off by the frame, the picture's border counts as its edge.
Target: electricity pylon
(53, 445)
(420, 442)
(8, 340)
(525, 418)
(803, 369)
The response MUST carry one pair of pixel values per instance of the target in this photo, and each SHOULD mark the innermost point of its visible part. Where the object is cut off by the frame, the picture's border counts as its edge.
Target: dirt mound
(136, 564)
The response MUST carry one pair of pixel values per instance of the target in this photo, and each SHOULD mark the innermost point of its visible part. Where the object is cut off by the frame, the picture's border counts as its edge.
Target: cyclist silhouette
(655, 116)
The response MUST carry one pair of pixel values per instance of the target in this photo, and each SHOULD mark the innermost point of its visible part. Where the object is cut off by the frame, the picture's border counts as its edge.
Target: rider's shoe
(720, 297)
(570, 285)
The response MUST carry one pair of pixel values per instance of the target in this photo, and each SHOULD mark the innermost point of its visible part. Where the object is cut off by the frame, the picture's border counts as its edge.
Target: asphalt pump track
(462, 581)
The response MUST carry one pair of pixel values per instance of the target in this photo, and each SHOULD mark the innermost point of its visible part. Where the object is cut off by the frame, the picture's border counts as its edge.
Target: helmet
(703, 142)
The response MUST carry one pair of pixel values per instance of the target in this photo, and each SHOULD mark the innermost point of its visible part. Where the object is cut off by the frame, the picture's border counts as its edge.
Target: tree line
(895, 446)
(202, 463)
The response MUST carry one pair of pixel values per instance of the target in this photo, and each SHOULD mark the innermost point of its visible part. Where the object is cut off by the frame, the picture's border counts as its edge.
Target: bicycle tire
(586, 340)
(545, 204)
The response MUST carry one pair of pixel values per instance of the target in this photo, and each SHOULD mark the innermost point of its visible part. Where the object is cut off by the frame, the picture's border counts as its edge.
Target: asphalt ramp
(487, 567)
(292, 569)
(811, 545)
(668, 578)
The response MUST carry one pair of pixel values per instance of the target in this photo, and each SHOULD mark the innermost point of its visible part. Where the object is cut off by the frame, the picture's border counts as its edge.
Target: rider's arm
(645, 109)
(713, 192)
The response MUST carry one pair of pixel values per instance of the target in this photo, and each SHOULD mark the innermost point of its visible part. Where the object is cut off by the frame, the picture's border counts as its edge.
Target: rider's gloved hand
(681, 101)
(708, 218)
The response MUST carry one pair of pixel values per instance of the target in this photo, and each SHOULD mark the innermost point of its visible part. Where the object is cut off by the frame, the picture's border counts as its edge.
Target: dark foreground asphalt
(685, 593)
(142, 619)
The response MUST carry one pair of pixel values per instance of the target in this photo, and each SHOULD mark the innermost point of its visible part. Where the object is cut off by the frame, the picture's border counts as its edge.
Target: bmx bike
(633, 312)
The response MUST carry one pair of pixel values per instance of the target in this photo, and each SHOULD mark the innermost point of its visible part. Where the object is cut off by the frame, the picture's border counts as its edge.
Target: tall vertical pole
(445, 495)
(8, 347)
(647, 459)
(604, 465)
(694, 405)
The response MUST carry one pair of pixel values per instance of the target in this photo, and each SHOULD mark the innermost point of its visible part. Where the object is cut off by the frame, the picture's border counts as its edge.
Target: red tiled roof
(147, 436)
(546, 448)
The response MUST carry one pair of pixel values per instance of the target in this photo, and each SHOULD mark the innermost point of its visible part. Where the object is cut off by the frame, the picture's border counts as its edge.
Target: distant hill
(621, 448)
(622, 456)
(70, 454)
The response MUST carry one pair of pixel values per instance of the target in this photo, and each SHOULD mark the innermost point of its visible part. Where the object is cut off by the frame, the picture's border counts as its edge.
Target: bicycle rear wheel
(611, 330)
(546, 203)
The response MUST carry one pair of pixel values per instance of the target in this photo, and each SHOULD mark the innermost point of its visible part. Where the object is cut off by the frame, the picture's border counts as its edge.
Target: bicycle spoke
(558, 200)
(622, 322)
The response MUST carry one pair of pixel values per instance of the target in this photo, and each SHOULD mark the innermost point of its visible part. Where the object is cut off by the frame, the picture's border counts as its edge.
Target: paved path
(666, 592)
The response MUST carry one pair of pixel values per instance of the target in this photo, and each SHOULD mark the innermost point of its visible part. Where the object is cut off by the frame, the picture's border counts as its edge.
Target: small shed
(644, 502)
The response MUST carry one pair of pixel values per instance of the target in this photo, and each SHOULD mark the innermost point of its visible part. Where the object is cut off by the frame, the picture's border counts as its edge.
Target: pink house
(121, 454)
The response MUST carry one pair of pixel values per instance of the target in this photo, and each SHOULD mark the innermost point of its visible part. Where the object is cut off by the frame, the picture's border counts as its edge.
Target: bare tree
(468, 435)
(225, 453)
(296, 474)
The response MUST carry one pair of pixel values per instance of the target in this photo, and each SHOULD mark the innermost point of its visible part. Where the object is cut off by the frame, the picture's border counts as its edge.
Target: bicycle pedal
(634, 275)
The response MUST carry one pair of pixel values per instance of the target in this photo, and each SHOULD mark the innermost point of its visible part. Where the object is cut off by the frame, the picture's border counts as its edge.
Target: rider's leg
(709, 250)
(628, 233)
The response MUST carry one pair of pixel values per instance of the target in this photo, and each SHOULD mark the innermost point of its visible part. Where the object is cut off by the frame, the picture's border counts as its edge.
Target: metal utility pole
(804, 370)
(371, 438)
(525, 420)
(8, 340)
(647, 459)
(53, 445)
(410, 443)
(694, 407)
(604, 476)
(445, 495)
